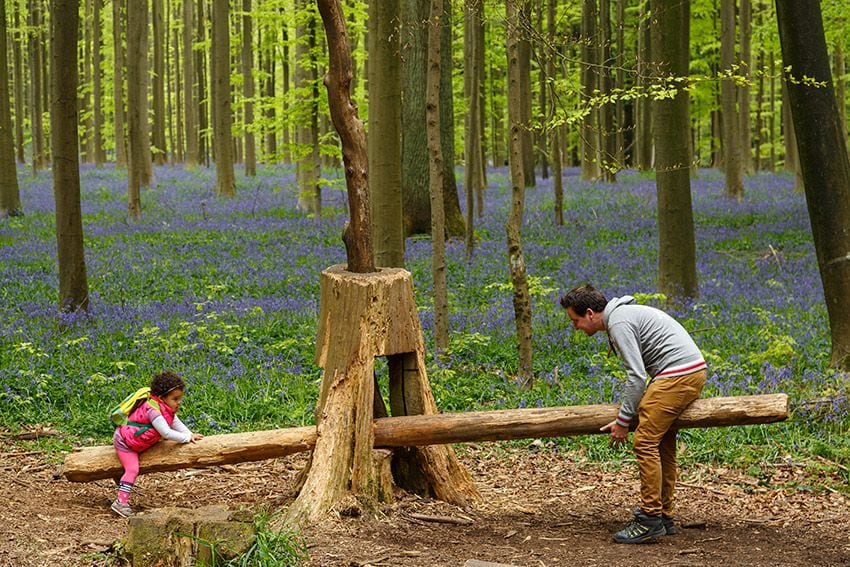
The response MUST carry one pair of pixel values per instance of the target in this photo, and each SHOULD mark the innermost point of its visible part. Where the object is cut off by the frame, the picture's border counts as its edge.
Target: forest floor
(539, 508)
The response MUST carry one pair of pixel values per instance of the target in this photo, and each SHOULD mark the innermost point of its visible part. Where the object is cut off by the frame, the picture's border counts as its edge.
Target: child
(150, 421)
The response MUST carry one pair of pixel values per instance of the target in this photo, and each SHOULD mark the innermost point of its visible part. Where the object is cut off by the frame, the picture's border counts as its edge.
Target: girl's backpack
(120, 414)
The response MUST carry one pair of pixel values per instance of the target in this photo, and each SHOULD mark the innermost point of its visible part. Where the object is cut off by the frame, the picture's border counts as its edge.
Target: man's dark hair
(166, 382)
(584, 297)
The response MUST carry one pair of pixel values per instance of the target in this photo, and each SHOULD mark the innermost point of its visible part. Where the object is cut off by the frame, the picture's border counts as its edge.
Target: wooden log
(565, 421)
(96, 463)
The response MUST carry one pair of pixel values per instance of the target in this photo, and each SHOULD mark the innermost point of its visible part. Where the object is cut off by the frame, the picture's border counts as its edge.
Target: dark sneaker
(669, 526)
(641, 529)
(122, 510)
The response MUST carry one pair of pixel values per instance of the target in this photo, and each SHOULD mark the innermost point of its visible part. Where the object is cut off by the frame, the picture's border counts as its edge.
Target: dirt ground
(539, 508)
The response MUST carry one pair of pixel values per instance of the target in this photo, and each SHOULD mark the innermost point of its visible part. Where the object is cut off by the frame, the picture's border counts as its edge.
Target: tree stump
(363, 316)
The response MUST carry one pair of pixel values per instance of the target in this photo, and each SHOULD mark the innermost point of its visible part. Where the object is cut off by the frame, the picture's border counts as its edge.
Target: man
(666, 372)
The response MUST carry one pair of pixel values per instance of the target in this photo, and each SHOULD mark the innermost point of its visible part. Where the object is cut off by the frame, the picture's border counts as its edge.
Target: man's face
(590, 322)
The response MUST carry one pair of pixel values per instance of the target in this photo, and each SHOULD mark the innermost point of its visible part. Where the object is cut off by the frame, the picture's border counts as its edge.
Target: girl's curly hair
(166, 382)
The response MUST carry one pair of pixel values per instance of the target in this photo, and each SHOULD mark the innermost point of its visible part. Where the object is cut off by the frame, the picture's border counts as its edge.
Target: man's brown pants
(655, 440)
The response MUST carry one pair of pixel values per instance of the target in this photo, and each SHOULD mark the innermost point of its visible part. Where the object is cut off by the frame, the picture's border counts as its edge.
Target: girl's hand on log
(196, 437)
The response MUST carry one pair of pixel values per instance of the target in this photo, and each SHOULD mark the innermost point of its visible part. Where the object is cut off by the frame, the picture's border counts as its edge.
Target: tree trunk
(118, 17)
(384, 322)
(516, 259)
(384, 147)
(435, 152)
(589, 58)
(36, 44)
(555, 142)
(746, 62)
(606, 111)
(222, 99)
(248, 88)
(97, 85)
(414, 168)
(677, 276)
(524, 31)
(96, 463)
(190, 105)
(64, 136)
(159, 118)
(731, 142)
(137, 105)
(643, 104)
(306, 131)
(10, 196)
(473, 183)
(454, 222)
(20, 109)
(358, 232)
(203, 93)
(822, 147)
(270, 68)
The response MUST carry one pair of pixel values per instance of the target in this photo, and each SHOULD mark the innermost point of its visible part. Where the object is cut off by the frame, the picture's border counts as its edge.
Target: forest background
(219, 281)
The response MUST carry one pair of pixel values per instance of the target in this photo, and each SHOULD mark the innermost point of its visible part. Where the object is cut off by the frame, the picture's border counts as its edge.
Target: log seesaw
(95, 463)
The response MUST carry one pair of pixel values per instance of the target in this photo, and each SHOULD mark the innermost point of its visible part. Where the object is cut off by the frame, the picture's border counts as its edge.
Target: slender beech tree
(824, 162)
(307, 129)
(36, 46)
(137, 106)
(248, 88)
(64, 136)
(473, 182)
(589, 57)
(222, 100)
(516, 259)
(643, 104)
(97, 85)
(20, 110)
(525, 31)
(159, 118)
(118, 18)
(190, 105)
(745, 33)
(731, 141)
(10, 196)
(555, 142)
(435, 175)
(670, 35)
(607, 135)
(384, 148)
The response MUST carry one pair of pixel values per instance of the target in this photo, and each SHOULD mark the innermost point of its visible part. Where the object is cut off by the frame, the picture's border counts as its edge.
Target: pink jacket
(139, 434)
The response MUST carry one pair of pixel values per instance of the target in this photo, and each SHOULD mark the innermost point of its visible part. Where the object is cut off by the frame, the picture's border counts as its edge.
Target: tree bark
(643, 104)
(358, 232)
(473, 182)
(609, 163)
(746, 58)
(36, 46)
(822, 147)
(190, 105)
(677, 275)
(384, 147)
(20, 108)
(96, 463)
(64, 135)
(223, 100)
(137, 105)
(250, 159)
(435, 152)
(589, 58)
(731, 142)
(97, 85)
(159, 118)
(516, 259)
(306, 130)
(118, 116)
(10, 196)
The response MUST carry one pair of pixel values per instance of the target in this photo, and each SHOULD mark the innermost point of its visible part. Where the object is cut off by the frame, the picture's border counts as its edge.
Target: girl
(150, 421)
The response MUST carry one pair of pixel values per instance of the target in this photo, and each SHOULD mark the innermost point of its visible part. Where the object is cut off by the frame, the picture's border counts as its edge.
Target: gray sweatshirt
(652, 345)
